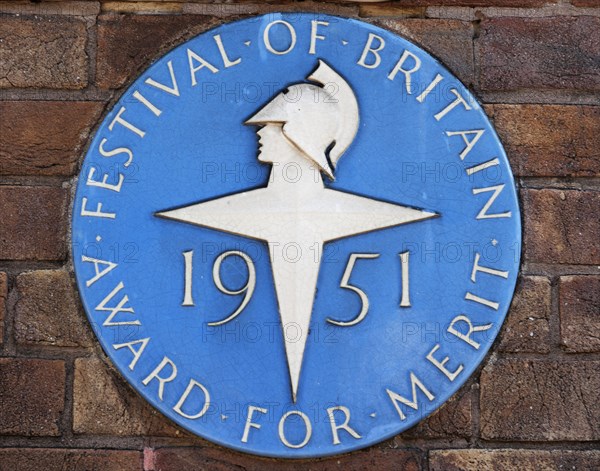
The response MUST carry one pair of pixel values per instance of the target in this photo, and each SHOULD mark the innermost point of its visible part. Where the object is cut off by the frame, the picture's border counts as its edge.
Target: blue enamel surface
(199, 149)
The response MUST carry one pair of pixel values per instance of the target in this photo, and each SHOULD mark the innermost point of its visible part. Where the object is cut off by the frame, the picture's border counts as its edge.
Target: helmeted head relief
(316, 119)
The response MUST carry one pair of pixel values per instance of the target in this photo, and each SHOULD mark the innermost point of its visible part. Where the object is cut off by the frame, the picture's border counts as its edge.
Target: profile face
(271, 142)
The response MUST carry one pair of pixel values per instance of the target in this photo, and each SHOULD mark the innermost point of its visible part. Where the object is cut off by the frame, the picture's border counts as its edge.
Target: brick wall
(535, 401)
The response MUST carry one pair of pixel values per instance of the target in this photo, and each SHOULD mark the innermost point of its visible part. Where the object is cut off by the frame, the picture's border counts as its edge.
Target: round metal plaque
(296, 235)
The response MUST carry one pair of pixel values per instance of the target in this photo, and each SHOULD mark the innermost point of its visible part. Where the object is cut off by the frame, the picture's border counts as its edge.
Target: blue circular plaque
(296, 235)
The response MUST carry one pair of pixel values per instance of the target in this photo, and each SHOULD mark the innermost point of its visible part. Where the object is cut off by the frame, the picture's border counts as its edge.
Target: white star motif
(304, 217)
(302, 212)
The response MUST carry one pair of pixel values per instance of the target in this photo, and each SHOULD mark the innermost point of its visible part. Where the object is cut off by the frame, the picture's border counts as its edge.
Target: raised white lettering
(191, 385)
(307, 424)
(97, 213)
(467, 337)
(161, 381)
(438, 78)
(314, 34)
(144, 101)
(192, 56)
(480, 268)
(407, 72)
(104, 182)
(441, 365)
(267, 40)
(485, 302)
(469, 142)
(482, 166)
(173, 89)
(397, 399)
(343, 426)
(458, 101)
(249, 423)
(137, 353)
(375, 51)
(483, 214)
(117, 309)
(117, 151)
(99, 274)
(126, 124)
(226, 61)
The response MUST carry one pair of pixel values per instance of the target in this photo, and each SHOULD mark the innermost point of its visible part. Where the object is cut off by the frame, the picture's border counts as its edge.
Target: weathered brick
(450, 40)
(526, 328)
(44, 137)
(562, 226)
(48, 312)
(31, 396)
(43, 51)
(34, 223)
(104, 405)
(453, 419)
(535, 400)
(585, 3)
(59, 459)
(142, 7)
(79, 8)
(475, 3)
(128, 43)
(3, 296)
(550, 140)
(391, 9)
(580, 313)
(508, 460)
(176, 459)
(237, 10)
(556, 52)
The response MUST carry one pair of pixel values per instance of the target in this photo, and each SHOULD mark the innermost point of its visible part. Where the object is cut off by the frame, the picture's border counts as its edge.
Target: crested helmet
(320, 120)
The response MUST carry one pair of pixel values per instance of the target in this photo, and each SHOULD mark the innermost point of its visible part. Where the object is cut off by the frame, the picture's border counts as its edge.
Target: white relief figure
(309, 125)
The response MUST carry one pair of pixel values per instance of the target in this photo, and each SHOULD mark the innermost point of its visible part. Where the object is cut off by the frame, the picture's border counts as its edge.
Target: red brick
(128, 43)
(43, 51)
(391, 9)
(449, 40)
(177, 459)
(3, 296)
(556, 52)
(550, 140)
(452, 420)
(509, 460)
(586, 3)
(34, 223)
(526, 328)
(44, 137)
(48, 312)
(535, 400)
(60, 459)
(231, 11)
(105, 405)
(580, 313)
(31, 396)
(562, 226)
(475, 3)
